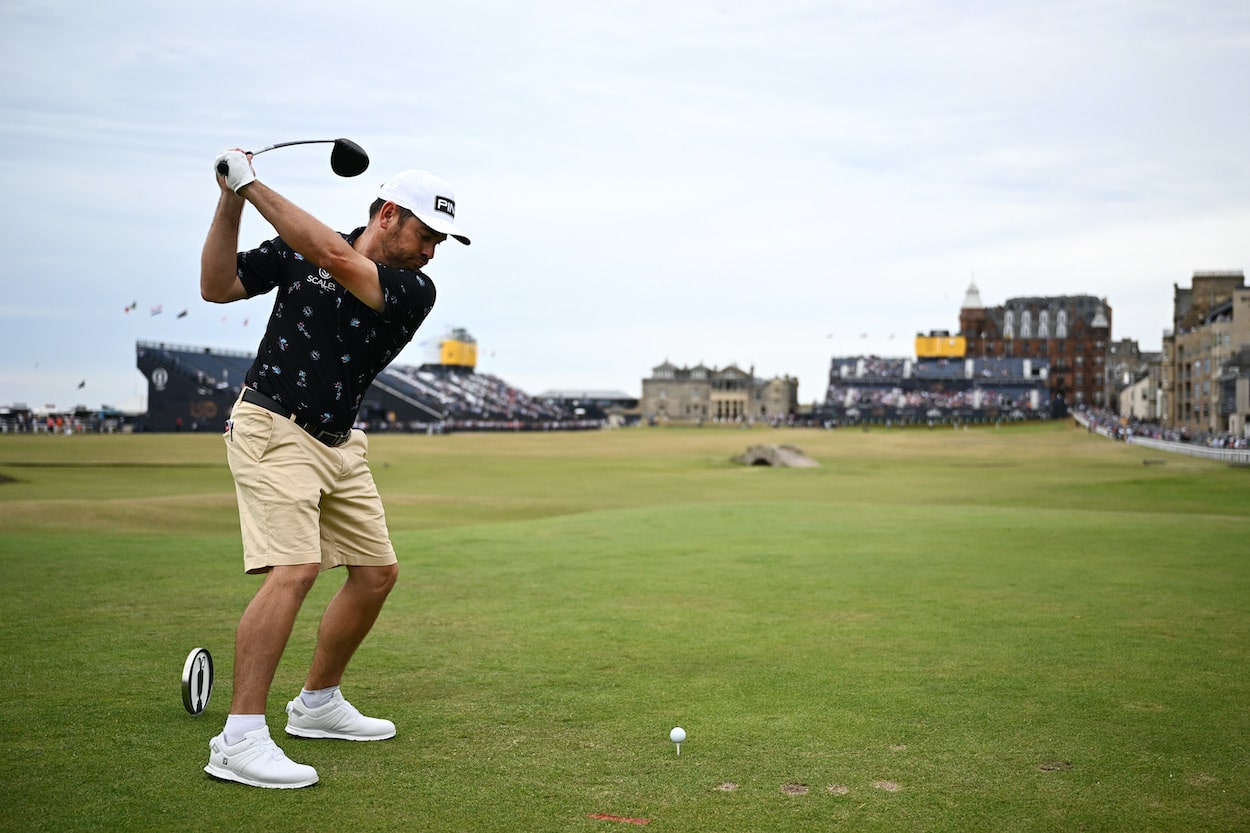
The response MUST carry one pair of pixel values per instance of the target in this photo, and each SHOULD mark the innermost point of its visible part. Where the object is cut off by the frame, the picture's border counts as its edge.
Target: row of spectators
(987, 398)
(876, 368)
(466, 395)
(1121, 428)
(24, 422)
(455, 426)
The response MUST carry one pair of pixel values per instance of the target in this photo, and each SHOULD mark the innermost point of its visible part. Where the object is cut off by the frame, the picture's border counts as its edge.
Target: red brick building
(1072, 332)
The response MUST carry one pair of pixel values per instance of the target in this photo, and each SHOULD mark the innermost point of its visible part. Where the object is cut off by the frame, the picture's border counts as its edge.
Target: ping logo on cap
(445, 205)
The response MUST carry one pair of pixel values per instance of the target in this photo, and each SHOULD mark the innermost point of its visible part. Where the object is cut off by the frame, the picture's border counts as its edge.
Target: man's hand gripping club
(236, 167)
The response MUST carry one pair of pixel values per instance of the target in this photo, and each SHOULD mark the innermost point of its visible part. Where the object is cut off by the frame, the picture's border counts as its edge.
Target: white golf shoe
(337, 719)
(258, 762)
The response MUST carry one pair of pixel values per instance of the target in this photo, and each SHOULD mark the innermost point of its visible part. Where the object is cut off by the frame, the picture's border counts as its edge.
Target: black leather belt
(330, 438)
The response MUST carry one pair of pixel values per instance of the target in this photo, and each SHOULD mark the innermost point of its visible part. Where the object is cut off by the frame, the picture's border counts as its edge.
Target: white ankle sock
(318, 698)
(238, 725)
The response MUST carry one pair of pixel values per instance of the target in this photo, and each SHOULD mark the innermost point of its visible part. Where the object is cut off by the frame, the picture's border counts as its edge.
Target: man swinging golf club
(344, 307)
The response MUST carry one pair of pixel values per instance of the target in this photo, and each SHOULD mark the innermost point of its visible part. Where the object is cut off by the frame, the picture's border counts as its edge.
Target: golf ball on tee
(678, 735)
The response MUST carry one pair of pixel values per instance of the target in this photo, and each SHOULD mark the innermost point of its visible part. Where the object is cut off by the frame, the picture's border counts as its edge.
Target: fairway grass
(1015, 629)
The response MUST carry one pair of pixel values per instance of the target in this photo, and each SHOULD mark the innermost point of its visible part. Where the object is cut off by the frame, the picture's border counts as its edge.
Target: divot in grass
(1055, 766)
(888, 786)
(727, 786)
(610, 817)
(839, 789)
(794, 789)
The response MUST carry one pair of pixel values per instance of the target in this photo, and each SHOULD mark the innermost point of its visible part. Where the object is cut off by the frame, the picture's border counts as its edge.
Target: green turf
(1019, 629)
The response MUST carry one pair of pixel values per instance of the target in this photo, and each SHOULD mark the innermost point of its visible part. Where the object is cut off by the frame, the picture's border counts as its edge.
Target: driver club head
(348, 158)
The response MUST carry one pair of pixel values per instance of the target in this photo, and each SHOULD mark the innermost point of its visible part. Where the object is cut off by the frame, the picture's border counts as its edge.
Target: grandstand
(873, 389)
(194, 389)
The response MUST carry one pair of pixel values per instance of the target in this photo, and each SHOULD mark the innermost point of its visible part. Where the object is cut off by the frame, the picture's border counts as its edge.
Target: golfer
(344, 306)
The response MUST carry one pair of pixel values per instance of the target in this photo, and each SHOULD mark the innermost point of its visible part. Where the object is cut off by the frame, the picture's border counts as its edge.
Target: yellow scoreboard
(938, 346)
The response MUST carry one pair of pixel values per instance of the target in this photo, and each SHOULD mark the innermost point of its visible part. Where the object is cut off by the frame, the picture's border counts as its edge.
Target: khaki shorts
(302, 502)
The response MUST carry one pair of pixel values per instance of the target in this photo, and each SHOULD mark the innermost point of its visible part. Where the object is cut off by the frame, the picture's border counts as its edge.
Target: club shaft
(298, 142)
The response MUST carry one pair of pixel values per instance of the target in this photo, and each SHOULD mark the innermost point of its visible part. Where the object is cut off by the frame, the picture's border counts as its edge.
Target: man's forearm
(218, 271)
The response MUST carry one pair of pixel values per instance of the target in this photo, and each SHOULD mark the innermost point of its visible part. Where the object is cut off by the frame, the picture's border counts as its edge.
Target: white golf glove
(236, 168)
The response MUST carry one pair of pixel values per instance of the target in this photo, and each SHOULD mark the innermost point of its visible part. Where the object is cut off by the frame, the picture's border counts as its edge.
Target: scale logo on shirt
(323, 280)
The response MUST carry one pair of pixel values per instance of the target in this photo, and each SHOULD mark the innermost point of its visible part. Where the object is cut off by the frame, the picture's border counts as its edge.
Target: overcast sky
(764, 184)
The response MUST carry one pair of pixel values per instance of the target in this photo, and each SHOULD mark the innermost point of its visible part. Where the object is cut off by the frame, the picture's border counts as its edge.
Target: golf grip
(224, 169)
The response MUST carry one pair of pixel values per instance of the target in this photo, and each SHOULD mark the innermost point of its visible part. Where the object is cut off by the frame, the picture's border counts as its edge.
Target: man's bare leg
(347, 620)
(263, 632)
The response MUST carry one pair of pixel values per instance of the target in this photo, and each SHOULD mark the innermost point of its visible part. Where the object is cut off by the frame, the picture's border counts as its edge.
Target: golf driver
(346, 157)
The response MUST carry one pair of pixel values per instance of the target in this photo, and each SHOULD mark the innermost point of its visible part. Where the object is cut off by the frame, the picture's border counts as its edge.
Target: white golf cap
(426, 196)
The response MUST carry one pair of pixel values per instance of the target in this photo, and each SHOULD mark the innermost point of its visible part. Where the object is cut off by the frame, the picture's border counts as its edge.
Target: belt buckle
(332, 439)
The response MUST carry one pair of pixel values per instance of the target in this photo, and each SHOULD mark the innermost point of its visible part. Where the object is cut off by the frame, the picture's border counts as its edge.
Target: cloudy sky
(764, 184)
